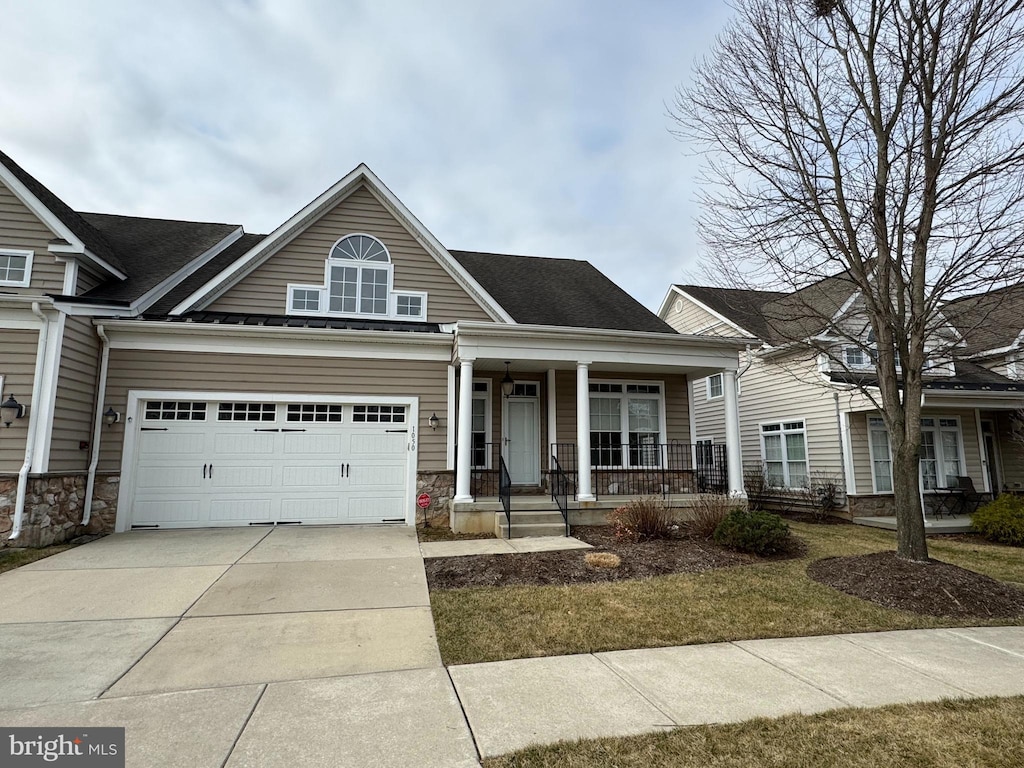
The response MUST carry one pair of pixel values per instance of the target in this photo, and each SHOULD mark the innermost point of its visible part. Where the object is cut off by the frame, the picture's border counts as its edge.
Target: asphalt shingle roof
(199, 278)
(151, 249)
(741, 306)
(558, 292)
(92, 239)
(990, 320)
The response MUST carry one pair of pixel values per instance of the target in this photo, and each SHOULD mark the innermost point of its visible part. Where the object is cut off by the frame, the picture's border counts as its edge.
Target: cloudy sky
(536, 127)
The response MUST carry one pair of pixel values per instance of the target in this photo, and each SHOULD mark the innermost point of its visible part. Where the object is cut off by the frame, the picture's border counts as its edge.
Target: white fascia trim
(256, 340)
(148, 299)
(17, 316)
(93, 310)
(342, 189)
(475, 328)
(841, 312)
(433, 246)
(70, 250)
(43, 213)
(55, 225)
(739, 329)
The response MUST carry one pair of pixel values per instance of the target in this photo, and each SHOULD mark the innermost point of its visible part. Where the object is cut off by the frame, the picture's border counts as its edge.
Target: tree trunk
(910, 541)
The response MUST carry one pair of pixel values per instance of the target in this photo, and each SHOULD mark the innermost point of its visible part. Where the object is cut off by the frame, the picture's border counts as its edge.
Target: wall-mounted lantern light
(433, 421)
(507, 382)
(111, 417)
(10, 410)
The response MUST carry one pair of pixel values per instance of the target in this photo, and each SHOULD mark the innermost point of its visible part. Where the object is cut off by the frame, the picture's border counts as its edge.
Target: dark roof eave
(88, 301)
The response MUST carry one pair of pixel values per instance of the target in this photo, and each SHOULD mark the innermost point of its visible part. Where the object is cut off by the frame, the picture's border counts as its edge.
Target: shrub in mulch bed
(933, 588)
(642, 559)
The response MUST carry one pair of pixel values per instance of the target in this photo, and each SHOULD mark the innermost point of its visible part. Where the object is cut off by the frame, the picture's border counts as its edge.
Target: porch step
(526, 524)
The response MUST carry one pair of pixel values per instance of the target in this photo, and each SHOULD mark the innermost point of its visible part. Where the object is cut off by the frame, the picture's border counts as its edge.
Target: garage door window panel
(162, 410)
(314, 412)
(378, 414)
(247, 412)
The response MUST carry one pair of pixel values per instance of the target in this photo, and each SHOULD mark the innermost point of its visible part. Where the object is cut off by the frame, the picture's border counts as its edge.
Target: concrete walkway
(465, 547)
(515, 704)
(315, 647)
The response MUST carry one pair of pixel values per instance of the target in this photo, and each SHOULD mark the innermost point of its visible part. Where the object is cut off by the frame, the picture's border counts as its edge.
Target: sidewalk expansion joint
(640, 692)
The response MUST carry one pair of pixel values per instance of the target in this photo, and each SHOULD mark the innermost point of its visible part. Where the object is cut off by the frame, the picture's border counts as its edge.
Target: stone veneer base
(53, 508)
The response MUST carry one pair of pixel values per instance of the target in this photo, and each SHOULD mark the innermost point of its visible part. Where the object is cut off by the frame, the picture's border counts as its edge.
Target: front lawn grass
(770, 599)
(946, 734)
(15, 558)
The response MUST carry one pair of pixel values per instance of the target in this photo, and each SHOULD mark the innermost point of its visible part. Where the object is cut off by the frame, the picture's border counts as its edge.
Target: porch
(583, 418)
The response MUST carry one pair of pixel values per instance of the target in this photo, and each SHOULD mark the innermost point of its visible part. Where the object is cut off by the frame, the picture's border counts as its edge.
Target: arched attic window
(358, 281)
(359, 276)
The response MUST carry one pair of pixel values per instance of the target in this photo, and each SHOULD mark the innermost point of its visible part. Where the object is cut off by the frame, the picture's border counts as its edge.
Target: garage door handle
(211, 471)
(204, 471)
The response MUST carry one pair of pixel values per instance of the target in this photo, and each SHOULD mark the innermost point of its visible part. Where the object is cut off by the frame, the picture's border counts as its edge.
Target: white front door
(522, 440)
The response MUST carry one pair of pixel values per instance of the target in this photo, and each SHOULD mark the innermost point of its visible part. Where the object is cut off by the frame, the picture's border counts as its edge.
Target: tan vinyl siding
(708, 415)
(208, 372)
(1011, 453)
(87, 280)
(790, 390)
(22, 229)
(861, 450)
(303, 261)
(76, 391)
(691, 318)
(17, 367)
(677, 417)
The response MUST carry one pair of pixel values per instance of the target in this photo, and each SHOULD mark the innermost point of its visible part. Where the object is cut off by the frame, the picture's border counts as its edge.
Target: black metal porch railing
(505, 492)
(484, 476)
(560, 490)
(653, 469)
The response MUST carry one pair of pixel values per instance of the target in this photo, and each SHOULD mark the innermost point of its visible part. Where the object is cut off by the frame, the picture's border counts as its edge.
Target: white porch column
(552, 415)
(586, 492)
(465, 444)
(733, 449)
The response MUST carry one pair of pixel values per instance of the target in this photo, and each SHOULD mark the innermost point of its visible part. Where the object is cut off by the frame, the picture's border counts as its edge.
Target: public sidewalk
(524, 702)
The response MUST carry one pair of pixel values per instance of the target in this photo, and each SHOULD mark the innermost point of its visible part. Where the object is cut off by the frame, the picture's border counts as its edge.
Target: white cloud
(529, 127)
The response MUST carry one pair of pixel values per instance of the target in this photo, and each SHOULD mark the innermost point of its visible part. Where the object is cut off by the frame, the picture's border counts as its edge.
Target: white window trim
(871, 453)
(939, 458)
(707, 387)
(28, 255)
(488, 419)
(324, 291)
(624, 412)
(785, 460)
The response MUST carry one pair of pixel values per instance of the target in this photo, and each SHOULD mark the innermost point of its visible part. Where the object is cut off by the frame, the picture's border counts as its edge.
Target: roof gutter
(97, 425)
(30, 438)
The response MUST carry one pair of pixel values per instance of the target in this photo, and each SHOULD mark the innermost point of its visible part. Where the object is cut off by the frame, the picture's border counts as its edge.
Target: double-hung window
(714, 387)
(881, 454)
(15, 267)
(626, 424)
(784, 447)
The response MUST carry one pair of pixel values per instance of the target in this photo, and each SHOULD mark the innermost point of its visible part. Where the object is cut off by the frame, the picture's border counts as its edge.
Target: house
(162, 374)
(806, 418)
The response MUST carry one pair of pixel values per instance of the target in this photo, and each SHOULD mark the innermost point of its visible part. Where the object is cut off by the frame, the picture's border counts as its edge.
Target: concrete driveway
(236, 646)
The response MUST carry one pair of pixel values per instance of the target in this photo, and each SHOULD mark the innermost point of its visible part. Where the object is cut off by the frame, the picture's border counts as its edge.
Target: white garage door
(208, 463)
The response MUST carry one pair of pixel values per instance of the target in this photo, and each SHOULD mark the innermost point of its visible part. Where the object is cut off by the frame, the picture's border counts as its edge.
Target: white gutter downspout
(30, 439)
(97, 427)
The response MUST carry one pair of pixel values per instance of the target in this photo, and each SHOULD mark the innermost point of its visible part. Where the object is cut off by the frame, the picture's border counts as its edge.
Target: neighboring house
(805, 418)
(162, 374)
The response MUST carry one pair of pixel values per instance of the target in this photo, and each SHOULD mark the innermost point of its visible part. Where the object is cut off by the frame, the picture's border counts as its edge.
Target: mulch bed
(639, 560)
(933, 588)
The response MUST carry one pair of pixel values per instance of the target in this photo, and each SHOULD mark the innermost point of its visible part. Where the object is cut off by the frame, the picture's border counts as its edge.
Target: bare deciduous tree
(875, 140)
